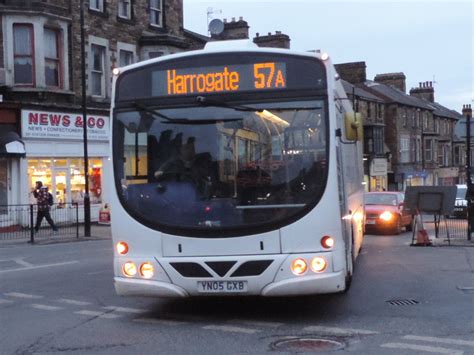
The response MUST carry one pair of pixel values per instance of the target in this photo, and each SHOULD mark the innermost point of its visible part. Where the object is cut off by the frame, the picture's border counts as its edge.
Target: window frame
(100, 5)
(128, 15)
(103, 73)
(30, 27)
(153, 10)
(58, 59)
(404, 149)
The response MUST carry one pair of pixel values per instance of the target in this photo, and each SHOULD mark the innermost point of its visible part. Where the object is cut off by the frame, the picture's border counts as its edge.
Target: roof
(441, 111)
(196, 36)
(359, 92)
(394, 95)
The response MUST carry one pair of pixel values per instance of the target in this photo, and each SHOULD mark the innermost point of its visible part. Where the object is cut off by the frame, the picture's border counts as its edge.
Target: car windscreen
(381, 199)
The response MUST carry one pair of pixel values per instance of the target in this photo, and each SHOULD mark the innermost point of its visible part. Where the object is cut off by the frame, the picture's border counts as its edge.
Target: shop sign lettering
(42, 124)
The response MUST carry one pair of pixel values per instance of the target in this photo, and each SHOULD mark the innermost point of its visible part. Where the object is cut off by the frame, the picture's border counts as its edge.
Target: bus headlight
(386, 216)
(299, 266)
(318, 264)
(129, 269)
(146, 270)
(122, 248)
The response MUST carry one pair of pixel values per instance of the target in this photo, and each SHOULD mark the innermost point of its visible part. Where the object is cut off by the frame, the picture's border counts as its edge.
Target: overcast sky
(426, 40)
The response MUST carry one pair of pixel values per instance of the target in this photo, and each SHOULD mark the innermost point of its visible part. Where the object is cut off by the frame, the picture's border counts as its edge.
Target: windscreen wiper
(169, 120)
(205, 101)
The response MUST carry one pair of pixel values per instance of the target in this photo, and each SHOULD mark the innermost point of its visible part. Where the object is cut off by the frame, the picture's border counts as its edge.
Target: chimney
(233, 30)
(353, 72)
(396, 80)
(467, 110)
(425, 91)
(277, 40)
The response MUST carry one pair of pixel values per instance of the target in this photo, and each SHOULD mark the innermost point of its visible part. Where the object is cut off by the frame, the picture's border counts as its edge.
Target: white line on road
(256, 323)
(339, 331)
(73, 302)
(232, 329)
(22, 262)
(22, 295)
(46, 307)
(158, 321)
(429, 349)
(2, 301)
(97, 314)
(440, 340)
(125, 309)
(39, 266)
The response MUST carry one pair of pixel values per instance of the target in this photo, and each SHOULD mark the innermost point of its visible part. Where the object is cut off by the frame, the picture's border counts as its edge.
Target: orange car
(384, 212)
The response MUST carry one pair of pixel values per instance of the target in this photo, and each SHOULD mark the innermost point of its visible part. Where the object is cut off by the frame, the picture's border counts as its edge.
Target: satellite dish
(216, 27)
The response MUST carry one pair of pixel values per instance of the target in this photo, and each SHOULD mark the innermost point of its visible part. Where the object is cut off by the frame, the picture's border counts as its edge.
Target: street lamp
(87, 201)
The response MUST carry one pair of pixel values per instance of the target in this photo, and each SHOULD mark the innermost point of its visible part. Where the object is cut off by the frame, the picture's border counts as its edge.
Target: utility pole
(467, 112)
(87, 201)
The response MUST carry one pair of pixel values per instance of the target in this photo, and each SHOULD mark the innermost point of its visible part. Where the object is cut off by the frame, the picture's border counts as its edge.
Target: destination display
(216, 79)
(270, 74)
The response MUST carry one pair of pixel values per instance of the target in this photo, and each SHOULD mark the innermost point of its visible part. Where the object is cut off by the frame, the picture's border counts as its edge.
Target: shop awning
(11, 144)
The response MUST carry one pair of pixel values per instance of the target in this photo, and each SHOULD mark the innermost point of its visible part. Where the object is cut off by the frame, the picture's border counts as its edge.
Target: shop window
(3, 185)
(78, 181)
(23, 54)
(52, 58)
(39, 170)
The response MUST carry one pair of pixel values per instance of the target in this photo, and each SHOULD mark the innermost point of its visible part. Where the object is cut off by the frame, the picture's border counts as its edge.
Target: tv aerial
(216, 27)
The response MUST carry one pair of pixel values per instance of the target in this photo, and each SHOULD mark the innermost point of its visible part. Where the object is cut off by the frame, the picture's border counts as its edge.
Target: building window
(418, 150)
(404, 150)
(23, 54)
(369, 110)
(429, 150)
(125, 9)
(378, 140)
(98, 70)
(440, 155)
(52, 58)
(156, 55)
(458, 154)
(156, 14)
(97, 5)
(125, 58)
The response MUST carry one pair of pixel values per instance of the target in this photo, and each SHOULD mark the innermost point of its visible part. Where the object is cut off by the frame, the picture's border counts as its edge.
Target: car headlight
(386, 216)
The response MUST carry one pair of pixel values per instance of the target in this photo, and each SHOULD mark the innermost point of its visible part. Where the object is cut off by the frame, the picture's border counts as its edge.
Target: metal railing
(19, 221)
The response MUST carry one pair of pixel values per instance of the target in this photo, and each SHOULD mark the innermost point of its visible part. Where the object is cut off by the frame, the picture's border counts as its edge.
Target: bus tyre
(350, 268)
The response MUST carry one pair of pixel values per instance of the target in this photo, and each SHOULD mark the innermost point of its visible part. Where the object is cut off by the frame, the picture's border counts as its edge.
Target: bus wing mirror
(354, 126)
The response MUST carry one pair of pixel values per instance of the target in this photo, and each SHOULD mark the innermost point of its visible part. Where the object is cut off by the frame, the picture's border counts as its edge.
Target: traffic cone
(422, 237)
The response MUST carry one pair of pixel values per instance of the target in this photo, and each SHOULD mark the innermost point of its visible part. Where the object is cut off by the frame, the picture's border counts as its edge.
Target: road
(59, 299)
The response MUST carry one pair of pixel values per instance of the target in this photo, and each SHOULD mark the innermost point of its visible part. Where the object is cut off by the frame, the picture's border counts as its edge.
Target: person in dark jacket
(42, 197)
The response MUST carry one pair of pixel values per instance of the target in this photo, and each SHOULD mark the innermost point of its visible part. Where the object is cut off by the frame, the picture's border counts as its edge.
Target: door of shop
(61, 187)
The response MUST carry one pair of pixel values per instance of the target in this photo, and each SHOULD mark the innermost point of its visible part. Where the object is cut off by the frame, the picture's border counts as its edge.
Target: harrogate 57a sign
(60, 125)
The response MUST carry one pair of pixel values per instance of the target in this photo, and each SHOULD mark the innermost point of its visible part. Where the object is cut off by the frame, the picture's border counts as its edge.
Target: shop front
(378, 174)
(55, 156)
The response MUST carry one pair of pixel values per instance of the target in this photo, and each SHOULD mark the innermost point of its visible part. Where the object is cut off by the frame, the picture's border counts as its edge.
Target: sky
(428, 40)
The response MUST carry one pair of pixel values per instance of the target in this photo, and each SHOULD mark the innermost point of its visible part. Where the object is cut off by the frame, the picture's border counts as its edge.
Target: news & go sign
(60, 125)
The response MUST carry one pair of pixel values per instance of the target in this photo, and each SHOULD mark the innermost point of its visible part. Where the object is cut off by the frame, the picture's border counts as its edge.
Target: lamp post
(87, 201)
(467, 112)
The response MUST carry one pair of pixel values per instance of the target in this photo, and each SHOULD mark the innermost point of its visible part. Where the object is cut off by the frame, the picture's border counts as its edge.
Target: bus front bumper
(297, 286)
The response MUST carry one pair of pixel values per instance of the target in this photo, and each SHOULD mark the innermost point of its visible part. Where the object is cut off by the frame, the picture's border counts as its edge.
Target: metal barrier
(448, 228)
(18, 222)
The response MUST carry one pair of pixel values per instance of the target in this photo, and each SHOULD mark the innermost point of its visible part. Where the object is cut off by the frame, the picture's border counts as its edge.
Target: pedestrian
(43, 201)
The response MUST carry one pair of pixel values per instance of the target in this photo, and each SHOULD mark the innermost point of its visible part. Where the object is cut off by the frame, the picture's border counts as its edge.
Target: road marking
(440, 340)
(22, 262)
(256, 323)
(232, 329)
(39, 266)
(46, 307)
(22, 295)
(97, 314)
(125, 309)
(158, 321)
(339, 331)
(429, 349)
(2, 301)
(73, 302)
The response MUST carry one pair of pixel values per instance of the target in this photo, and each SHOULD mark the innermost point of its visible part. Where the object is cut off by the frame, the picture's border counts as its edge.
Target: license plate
(222, 286)
(369, 222)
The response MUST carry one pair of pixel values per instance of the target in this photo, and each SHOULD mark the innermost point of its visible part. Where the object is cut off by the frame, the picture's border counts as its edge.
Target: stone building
(41, 91)
(419, 141)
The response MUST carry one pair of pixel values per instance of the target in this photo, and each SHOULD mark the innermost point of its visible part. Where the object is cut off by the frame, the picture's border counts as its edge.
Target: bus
(237, 171)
